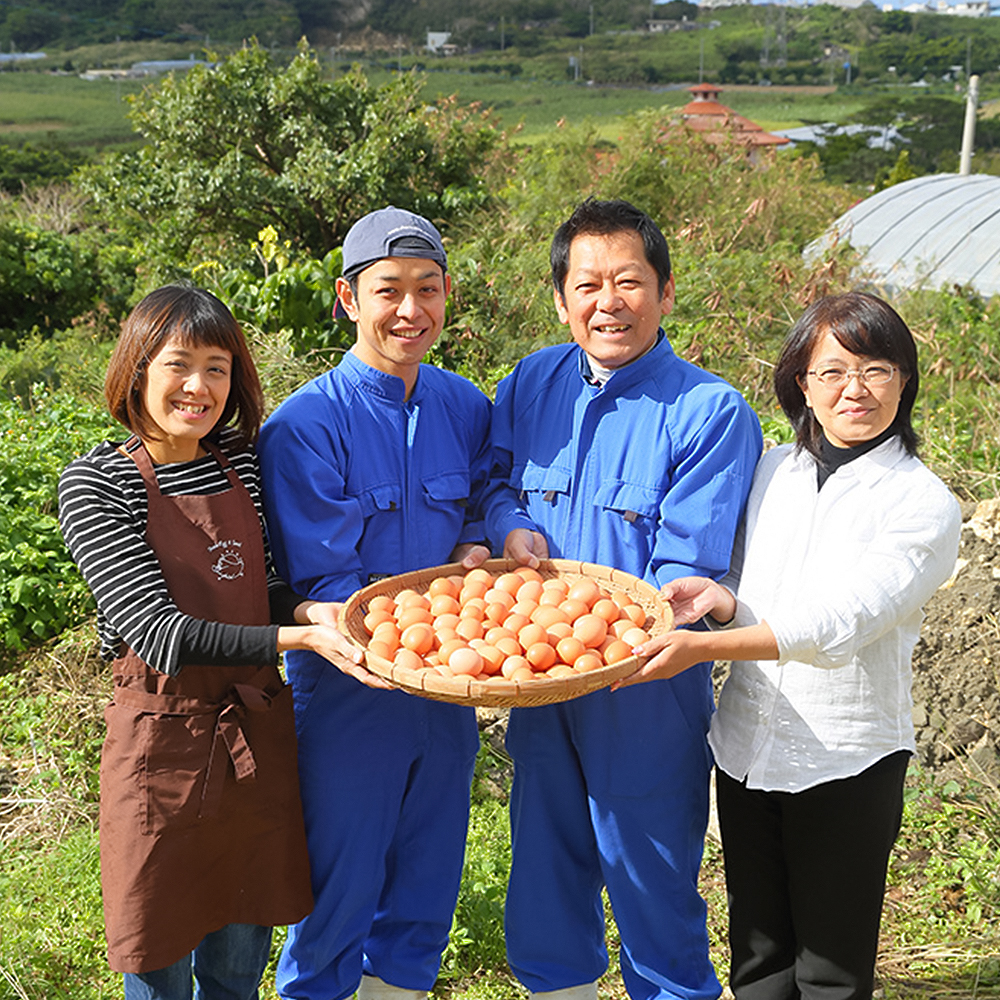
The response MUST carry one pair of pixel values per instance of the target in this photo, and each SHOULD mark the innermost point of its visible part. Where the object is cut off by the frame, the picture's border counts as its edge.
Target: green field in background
(45, 108)
(70, 111)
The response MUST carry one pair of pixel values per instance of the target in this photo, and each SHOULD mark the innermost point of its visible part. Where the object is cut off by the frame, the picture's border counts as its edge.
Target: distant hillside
(746, 44)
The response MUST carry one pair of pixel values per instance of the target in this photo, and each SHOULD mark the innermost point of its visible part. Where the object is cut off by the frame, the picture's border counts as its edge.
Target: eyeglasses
(837, 378)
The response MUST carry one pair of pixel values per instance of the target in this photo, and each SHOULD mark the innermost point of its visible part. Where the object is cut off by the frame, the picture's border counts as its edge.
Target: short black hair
(863, 324)
(604, 218)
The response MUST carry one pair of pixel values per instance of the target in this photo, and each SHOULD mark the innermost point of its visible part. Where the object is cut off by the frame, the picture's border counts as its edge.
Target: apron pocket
(175, 755)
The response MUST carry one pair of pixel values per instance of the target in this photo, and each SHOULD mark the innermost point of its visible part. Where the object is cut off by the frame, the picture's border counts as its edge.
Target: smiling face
(611, 299)
(855, 412)
(186, 388)
(399, 310)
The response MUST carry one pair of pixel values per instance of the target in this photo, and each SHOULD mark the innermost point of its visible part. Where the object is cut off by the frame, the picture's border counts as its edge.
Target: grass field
(42, 107)
(67, 110)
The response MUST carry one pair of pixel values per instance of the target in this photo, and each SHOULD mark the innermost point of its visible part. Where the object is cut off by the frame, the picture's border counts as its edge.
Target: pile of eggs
(516, 626)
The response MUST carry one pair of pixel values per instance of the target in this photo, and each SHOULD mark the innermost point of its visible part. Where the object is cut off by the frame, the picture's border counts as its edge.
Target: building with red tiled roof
(717, 123)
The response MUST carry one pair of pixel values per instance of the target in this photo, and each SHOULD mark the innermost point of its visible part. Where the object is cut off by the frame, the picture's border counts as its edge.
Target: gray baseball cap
(391, 232)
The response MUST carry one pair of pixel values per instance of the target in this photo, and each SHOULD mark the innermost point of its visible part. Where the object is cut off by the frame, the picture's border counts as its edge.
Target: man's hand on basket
(470, 555)
(526, 547)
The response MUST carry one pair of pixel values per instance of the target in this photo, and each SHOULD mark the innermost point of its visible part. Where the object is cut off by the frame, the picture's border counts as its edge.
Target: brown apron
(201, 822)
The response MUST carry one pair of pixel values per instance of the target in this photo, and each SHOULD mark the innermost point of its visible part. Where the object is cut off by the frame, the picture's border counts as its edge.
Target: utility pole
(591, 18)
(501, 33)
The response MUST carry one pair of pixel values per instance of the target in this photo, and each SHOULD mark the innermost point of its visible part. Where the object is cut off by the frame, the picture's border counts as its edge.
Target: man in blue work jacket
(613, 450)
(376, 468)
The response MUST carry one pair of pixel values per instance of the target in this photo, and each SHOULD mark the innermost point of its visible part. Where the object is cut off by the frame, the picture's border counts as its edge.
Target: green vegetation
(939, 934)
(194, 203)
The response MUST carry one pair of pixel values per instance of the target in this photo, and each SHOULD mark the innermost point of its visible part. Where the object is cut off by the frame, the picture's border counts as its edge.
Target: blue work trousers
(385, 780)
(612, 790)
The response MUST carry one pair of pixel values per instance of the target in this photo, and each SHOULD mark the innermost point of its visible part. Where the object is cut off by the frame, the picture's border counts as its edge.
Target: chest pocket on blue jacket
(635, 505)
(540, 483)
(380, 499)
(447, 490)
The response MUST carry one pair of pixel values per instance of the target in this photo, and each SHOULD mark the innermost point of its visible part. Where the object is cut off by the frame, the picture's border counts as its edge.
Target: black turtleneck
(832, 458)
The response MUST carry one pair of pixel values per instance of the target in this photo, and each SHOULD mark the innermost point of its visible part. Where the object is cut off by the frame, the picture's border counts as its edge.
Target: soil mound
(956, 663)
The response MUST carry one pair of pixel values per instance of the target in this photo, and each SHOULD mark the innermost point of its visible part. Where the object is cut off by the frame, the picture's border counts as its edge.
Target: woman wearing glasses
(845, 537)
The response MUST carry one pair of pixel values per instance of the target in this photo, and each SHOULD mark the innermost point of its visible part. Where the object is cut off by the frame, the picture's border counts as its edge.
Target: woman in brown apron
(202, 843)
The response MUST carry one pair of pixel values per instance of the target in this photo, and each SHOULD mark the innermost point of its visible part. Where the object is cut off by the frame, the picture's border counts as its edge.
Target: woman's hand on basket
(526, 547)
(322, 636)
(669, 654)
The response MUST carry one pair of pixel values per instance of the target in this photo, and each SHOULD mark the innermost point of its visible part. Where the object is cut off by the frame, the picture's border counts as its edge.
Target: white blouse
(840, 575)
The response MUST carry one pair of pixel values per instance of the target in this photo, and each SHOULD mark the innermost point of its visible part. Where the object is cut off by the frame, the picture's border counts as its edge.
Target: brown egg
(635, 637)
(492, 659)
(586, 591)
(509, 647)
(620, 627)
(374, 619)
(636, 613)
(381, 602)
(526, 608)
(560, 670)
(527, 573)
(570, 649)
(559, 630)
(515, 622)
(616, 651)
(499, 632)
(411, 599)
(475, 607)
(547, 615)
(408, 616)
(380, 649)
(513, 664)
(465, 661)
(470, 628)
(442, 586)
(446, 621)
(479, 575)
(408, 659)
(590, 630)
(509, 582)
(419, 637)
(530, 590)
(471, 590)
(589, 661)
(449, 646)
(532, 633)
(573, 608)
(497, 596)
(607, 609)
(540, 655)
(444, 604)
(496, 614)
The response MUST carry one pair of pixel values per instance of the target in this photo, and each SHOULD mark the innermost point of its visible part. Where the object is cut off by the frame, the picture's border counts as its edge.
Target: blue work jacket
(360, 482)
(648, 474)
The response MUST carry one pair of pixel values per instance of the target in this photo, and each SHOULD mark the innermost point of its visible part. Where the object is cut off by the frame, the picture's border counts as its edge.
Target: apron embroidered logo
(229, 565)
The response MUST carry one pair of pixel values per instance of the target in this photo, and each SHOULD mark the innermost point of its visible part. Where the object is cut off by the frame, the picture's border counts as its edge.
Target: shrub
(41, 592)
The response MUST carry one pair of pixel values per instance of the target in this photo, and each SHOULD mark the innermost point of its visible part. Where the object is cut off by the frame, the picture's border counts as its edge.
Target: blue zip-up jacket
(648, 474)
(361, 483)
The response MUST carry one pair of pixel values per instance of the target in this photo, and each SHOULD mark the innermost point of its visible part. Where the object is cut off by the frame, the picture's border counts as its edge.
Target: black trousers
(805, 876)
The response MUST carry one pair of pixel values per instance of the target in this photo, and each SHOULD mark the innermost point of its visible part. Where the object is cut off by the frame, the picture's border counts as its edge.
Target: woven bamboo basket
(499, 691)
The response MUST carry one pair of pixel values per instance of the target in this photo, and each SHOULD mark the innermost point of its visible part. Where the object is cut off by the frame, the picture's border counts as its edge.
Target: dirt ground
(956, 664)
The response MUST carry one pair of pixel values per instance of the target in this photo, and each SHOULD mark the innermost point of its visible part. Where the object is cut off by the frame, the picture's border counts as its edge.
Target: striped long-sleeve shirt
(103, 512)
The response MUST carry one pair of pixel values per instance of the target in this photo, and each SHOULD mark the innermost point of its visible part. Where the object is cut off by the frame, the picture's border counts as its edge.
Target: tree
(246, 144)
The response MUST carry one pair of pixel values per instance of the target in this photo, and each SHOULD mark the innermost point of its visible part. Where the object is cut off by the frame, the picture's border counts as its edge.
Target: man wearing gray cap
(376, 468)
